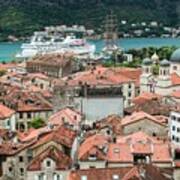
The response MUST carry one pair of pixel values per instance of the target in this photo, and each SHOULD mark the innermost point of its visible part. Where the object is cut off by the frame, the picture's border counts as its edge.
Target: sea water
(9, 50)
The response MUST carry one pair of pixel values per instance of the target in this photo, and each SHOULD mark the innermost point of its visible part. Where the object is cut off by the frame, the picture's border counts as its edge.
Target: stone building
(27, 105)
(141, 121)
(56, 66)
(100, 151)
(89, 91)
(52, 164)
(42, 155)
(7, 118)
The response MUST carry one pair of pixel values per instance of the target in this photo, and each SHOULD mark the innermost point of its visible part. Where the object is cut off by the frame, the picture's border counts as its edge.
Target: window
(173, 117)
(57, 176)
(63, 119)
(20, 115)
(10, 169)
(48, 163)
(8, 123)
(21, 171)
(92, 167)
(129, 94)
(75, 117)
(20, 158)
(29, 115)
(130, 86)
(173, 137)
(178, 129)
(177, 139)
(178, 119)
(173, 128)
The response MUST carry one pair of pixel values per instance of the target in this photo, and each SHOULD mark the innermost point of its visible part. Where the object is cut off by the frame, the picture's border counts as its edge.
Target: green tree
(37, 123)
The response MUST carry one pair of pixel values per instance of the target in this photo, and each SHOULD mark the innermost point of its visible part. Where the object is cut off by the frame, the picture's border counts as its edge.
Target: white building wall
(98, 108)
(174, 127)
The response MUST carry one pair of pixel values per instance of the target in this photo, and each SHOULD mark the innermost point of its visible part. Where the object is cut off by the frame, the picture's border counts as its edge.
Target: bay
(8, 50)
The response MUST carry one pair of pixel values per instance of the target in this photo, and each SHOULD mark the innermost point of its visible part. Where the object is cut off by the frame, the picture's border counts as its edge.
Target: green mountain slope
(22, 17)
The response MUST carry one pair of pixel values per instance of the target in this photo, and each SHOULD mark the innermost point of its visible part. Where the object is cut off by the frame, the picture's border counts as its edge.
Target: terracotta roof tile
(144, 97)
(92, 144)
(66, 115)
(5, 112)
(61, 135)
(104, 76)
(175, 79)
(62, 161)
(143, 172)
(138, 116)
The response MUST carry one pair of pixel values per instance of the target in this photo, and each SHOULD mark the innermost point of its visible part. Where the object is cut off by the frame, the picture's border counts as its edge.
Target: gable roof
(152, 107)
(144, 172)
(91, 145)
(138, 116)
(65, 115)
(144, 97)
(5, 112)
(61, 135)
(62, 160)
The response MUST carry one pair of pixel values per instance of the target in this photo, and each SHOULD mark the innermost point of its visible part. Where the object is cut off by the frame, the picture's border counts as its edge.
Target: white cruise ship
(44, 43)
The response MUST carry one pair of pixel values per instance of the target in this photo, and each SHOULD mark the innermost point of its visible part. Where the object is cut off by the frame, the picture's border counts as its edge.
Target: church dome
(176, 56)
(165, 63)
(147, 61)
(155, 57)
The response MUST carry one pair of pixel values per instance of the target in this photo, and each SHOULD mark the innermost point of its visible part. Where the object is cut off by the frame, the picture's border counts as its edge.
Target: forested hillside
(22, 17)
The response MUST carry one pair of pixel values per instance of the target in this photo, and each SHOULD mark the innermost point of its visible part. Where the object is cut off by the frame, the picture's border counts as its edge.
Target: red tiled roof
(120, 153)
(139, 136)
(9, 148)
(175, 79)
(132, 174)
(5, 112)
(144, 97)
(24, 101)
(138, 116)
(142, 172)
(61, 135)
(112, 121)
(99, 173)
(68, 115)
(153, 107)
(32, 134)
(91, 145)
(62, 161)
(104, 76)
(125, 147)
(176, 94)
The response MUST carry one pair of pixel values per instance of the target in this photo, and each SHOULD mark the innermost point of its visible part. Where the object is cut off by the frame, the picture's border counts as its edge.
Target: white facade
(9, 123)
(174, 127)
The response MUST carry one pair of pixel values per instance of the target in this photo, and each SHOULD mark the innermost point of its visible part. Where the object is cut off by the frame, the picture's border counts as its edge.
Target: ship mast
(111, 32)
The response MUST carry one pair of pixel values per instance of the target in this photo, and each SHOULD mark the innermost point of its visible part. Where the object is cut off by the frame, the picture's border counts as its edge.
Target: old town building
(56, 66)
(28, 106)
(111, 88)
(7, 118)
